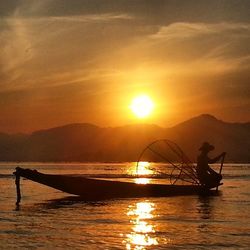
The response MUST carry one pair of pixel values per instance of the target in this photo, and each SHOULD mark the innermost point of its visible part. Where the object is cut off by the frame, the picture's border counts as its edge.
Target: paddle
(221, 166)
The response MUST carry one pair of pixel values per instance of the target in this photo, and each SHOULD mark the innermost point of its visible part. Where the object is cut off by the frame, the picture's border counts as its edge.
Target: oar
(221, 166)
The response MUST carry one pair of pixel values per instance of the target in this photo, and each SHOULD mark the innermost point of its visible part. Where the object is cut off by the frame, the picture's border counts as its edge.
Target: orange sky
(83, 61)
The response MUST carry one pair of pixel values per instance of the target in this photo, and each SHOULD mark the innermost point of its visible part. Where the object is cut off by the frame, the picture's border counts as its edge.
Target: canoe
(90, 188)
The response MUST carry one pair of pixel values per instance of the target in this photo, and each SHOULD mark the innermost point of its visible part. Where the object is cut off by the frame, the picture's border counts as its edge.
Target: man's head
(206, 147)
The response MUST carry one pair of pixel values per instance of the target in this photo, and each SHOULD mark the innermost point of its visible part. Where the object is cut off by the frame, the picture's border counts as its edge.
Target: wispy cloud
(189, 30)
(29, 41)
(89, 18)
(211, 47)
(64, 19)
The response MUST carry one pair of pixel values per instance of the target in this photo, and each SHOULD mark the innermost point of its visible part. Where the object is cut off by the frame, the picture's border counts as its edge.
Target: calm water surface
(50, 219)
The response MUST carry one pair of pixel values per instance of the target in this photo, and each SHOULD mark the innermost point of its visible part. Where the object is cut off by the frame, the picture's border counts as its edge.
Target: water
(50, 219)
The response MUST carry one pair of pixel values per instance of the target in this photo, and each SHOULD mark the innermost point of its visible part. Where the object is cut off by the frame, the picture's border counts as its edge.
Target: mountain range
(85, 142)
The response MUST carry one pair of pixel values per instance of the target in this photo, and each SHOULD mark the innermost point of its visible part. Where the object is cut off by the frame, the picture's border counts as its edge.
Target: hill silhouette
(86, 142)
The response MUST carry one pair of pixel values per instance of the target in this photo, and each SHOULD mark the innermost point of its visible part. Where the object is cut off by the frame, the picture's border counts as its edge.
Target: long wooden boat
(89, 188)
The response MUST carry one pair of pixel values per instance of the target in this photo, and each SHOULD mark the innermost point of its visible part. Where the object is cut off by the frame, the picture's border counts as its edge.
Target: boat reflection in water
(143, 229)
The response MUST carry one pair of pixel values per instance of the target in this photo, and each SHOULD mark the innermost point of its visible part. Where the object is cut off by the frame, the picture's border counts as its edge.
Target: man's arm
(211, 161)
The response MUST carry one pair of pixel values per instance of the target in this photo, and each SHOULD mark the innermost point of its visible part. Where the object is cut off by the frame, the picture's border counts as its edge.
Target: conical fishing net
(166, 159)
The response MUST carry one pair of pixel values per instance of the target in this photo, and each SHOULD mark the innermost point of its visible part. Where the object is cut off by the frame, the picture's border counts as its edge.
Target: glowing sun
(142, 106)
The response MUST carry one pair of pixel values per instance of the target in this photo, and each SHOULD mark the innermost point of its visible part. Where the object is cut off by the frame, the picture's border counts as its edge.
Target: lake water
(50, 219)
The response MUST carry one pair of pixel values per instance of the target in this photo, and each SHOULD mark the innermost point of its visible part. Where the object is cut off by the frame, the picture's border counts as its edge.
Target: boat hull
(89, 188)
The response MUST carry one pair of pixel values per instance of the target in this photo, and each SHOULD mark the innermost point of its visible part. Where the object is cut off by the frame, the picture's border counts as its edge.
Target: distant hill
(87, 142)
(234, 138)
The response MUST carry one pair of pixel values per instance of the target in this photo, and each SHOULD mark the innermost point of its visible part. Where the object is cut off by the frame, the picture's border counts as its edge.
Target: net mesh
(168, 160)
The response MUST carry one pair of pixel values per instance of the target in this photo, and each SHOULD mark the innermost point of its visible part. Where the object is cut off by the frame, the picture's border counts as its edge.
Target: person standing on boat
(206, 175)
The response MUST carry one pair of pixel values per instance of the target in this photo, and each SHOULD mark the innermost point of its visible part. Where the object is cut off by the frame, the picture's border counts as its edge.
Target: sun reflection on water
(143, 230)
(142, 180)
(142, 171)
(141, 168)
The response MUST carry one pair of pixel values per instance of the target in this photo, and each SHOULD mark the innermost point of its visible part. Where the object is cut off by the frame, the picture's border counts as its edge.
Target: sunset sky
(76, 61)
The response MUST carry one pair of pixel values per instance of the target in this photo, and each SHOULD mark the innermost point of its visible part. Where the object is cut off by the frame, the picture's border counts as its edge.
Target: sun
(142, 106)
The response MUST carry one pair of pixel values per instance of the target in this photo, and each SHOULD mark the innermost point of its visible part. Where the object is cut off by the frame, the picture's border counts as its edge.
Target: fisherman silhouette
(206, 175)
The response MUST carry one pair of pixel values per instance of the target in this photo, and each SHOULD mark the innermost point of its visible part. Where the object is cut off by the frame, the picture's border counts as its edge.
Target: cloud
(158, 11)
(216, 47)
(188, 30)
(90, 18)
(51, 51)
(33, 47)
